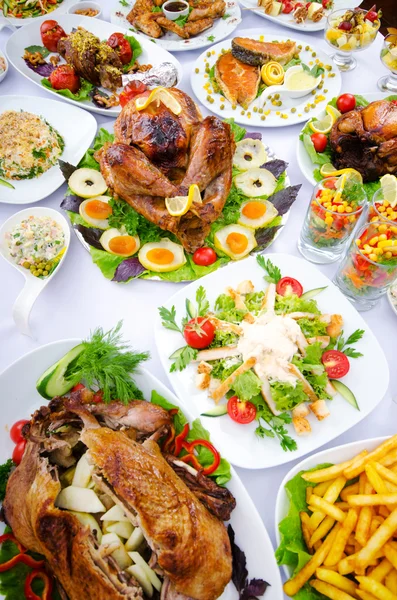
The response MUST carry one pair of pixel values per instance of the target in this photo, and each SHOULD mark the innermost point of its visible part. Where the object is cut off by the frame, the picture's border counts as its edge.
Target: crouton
(249, 318)
(301, 425)
(245, 287)
(322, 339)
(319, 409)
(203, 381)
(301, 410)
(335, 327)
(204, 367)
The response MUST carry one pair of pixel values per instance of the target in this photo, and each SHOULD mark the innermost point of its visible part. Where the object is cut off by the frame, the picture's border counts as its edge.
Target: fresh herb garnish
(5, 472)
(202, 303)
(39, 153)
(182, 357)
(276, 425)
(211, 38)
(123, 2)
(344, 345)
(314, 71)
(156, 9)
(168, 318)
(40, 49)
(248, 590)
(273, 272)
(226, 16)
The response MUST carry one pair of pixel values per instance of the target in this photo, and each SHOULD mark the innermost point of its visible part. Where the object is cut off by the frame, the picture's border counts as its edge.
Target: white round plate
(239, 443)
(77, 128)
(110, 127)
(200, 80)
(172, 42)
(18, 385)
(30, 35)
(62, 8)
(392, 298)
(304, 162)
(332, 455)
(288, 20)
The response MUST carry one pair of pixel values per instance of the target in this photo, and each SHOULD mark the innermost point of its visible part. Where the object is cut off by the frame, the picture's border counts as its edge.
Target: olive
(45, 273)
(35, 273)
(41, 265)
(39, 271)
(26, 265)
(48, 266)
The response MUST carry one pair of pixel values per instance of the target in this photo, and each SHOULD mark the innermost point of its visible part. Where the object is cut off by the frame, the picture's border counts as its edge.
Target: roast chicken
(158, 155)
(183, 539)
(365, 139)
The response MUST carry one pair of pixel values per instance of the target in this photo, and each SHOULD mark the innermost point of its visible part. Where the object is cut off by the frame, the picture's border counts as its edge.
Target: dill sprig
(108, 364)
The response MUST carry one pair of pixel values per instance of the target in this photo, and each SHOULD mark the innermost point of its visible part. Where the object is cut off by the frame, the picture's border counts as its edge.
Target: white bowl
(3, 73)
(173, 16)
(84, 6)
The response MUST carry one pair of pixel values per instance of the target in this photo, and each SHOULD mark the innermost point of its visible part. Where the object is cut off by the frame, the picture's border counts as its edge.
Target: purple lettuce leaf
(264, 236)
(276, 167)
(66, 168)
(43, 70)
(253, 589)
(284, 199)
(130, 267)
(71, 203)
(248, 590)
(91, 235)
(253, 135)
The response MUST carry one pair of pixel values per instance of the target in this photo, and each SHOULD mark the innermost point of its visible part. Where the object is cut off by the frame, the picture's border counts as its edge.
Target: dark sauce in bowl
(176, 6)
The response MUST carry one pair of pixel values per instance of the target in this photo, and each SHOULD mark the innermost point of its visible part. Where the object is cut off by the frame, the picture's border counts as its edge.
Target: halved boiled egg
(96, 211)
(119, 243)
(255, 213)
(235, 240)
(162, 256)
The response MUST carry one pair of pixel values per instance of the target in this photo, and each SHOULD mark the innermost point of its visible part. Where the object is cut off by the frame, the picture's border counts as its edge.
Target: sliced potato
(123, 529)
(115, 514)
(82, 474)
(135, 540)
(79, 499)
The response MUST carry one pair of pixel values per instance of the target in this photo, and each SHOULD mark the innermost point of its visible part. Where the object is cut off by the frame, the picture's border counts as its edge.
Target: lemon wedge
(328, 170)
(333, 113)
(323, 126)
(389, 188)
(352, 176)
(159, 94)
(179, 205)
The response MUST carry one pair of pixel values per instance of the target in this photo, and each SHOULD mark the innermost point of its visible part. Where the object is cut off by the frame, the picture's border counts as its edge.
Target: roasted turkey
(158, 155)
(183, 539)
(365, 139)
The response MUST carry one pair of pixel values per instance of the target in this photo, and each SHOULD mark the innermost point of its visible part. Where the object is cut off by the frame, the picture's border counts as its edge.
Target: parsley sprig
(344, 345)
(273, 272)
(276, 425)
(168, 318)
(182, 357)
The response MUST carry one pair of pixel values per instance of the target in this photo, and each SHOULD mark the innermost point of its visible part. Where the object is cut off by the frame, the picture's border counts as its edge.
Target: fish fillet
(238, 81)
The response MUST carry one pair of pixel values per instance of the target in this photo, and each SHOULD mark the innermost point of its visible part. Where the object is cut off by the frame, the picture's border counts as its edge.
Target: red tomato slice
(241, 412)
(336, 364)
(330, 183)
(118, 42)
(204, 257)
(288, 286)
(199, 333)
(18, 452)
(16, 431)
(132, 89)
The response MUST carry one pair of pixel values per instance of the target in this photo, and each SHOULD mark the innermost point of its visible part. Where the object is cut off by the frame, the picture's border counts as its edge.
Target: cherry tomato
(132, 89)
(18, 452)
(16, 431)
(336, 364)
(346, 102)
(65, 78)
(77, 387)
(288, 286)
(199, 333)
(204, 257)
(394, 102)
(345, 26)
(122, 46)
(98, 397)
(51, 33)
(327, 3)
(371, 16)
(320, 141)
(288, 7)
(241, 412)
(330, 183)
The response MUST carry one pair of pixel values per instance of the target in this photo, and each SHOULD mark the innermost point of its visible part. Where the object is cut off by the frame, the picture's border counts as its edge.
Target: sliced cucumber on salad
(345, 392)
(312, 293)
(53, 382)
(218, 411)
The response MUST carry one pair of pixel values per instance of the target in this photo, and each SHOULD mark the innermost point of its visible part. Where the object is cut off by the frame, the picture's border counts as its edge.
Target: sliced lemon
(178, 205)
(323, 126)
(328, 170)
(194, 194)
(159, 94)
(351, 176)
(389, 188)
(333, 112)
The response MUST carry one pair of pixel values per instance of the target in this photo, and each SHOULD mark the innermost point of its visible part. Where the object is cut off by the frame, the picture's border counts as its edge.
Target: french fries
(352, 529)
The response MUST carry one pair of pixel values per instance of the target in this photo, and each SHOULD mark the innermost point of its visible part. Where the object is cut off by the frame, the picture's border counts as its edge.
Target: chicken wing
(195, 27)
(141, 17)
(172, 26)
(204, 10)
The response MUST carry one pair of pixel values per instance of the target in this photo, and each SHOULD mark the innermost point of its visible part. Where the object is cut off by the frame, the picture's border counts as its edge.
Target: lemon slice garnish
(272, 73)
(159, 94)
(389, 188)
(194, 194)
(333, 113)
(179, 205)
(323, 126)
(328, 170)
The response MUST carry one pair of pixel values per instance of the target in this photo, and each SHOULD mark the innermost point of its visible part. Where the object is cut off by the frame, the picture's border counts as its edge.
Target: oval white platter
(18, 385)
(288, 21)
(173, 43)
(199, 81)
(77, 128)
(304, 162)
(30, 35)
(239, 443)
(332, 455)
(62, 8)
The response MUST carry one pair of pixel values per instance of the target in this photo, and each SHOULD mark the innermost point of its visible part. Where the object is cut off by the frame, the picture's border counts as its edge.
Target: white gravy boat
(283, 89)
(33, 285)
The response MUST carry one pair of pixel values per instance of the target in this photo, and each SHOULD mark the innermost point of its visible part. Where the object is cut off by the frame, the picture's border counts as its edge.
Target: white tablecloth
(79, 298)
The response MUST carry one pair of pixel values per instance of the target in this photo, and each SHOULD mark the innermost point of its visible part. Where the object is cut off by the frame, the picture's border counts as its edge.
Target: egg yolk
(254, 210)
(237, 242)
(160, 256)
(122, 244)
(98, 209)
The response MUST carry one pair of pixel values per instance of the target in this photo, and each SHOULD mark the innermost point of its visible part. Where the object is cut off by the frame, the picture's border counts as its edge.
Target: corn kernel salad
(29, 145)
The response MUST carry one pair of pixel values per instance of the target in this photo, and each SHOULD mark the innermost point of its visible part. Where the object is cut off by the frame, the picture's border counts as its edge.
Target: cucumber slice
(177, 353)
(191, 309)
(345, 392)
(53, 383)
(218, 411)
(2, 181)
(312, 293)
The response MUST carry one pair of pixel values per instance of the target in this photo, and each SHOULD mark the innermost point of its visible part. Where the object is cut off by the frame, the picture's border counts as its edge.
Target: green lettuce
(80, 96)
(223, 338)
(226, 310)
(124, 215)
(88, 161)
(107, 262)
(247, 385)
(313, 369)
(238, 132)
(253, 301)
(287, 396)
(312, 327)
(77, 219)
(136, 49)
(318, 158)
(293, 303)
(221, 369)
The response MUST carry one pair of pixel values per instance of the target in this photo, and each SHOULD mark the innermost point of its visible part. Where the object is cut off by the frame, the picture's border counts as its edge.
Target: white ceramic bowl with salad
(18, 385)
(243, 439)
(10, 8)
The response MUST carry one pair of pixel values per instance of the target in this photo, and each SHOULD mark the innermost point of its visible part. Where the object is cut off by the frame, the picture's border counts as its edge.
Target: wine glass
(349, 31)
(388, 56)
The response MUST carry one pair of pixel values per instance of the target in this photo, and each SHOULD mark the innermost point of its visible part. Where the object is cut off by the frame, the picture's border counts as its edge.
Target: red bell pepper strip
(169, 439)
(180, 438)
(173, 411)
(29, 593)
(190, 458)
(217, 457)
(21, 557)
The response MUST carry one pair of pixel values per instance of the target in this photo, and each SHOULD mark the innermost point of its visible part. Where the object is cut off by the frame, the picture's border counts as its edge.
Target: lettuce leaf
(80, 96)
(312, 327)
(136, 49)
(107, 262)
(287, 396)
(223, 338)
(226, 309)
(221, 369)
(179, 417)
(238, 132)
(247, 385)
(312, 368)
(288, 304)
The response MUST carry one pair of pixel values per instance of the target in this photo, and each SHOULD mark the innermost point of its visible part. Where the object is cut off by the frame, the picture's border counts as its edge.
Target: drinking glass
(326, 230)
(388, 56)
(347, 42)
(380, 209)
(369, 266)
